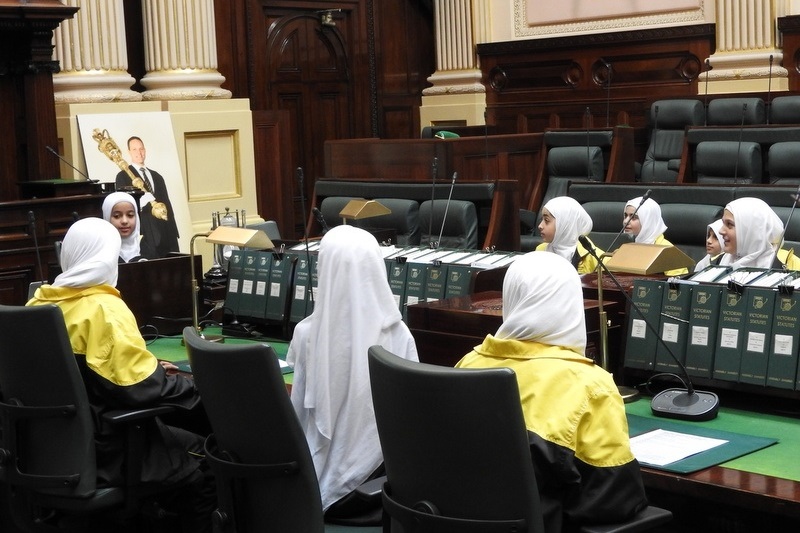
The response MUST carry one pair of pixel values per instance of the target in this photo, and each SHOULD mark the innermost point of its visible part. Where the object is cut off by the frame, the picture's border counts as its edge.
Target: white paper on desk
(660, 447)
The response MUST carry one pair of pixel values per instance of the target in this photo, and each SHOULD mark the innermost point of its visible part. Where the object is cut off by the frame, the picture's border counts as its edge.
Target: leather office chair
(669, 119)
(460, 229)
(269, 227)
(47, 447)
(782, 161)
(784, 110)
(456, 451)
(732, 111)
(403, 219)
(258, 451)
(728, 162)
(565, 165)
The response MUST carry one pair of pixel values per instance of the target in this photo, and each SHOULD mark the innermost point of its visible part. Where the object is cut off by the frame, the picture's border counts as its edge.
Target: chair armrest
(120, 416)
(371, 490)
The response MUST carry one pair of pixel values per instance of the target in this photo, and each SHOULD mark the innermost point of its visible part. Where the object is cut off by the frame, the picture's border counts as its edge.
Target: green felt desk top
(171, 349)
(779, 460)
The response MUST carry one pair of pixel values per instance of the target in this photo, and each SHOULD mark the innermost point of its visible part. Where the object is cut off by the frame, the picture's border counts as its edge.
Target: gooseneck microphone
(687, 403)
(73, 167)
(320, 220)
(739, 146)
(587, 117)
(625, 223)
(446, 208)
(775, 261)
(705, 97)
(301, 180)
(434, 174)
(769, 87)
(32, 222)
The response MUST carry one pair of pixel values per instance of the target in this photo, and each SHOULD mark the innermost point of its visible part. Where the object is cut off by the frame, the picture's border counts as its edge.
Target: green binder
(396, 271)
(730, 335)
(703, 325)
(458, 280)
(641, 341)
(783, 349)
(247, 305)
(301, 288)
(435, 280)
(233, 291)
(675, 307)
(415, 285)
(262, 281)
(278, 291)
(757, 334)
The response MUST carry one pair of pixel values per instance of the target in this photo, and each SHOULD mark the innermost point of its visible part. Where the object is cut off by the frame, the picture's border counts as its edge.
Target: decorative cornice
(600, 39)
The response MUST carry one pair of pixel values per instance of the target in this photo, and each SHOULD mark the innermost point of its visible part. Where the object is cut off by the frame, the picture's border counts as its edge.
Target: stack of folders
(424, 274)
(722, 324)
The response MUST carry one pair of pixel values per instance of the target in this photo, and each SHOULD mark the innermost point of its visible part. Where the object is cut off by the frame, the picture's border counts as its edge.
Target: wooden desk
(744, 494)
(445, 330)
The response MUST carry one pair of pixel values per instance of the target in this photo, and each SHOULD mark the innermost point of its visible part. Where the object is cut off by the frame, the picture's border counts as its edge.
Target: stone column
(746, 38)
(457, 95)
(181, 51)
(91, 50)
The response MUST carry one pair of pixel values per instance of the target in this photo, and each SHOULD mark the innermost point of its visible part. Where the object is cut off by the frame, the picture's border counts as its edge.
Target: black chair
(47, 447)
(736, 111)
(782, 161)
(456, 451)
(728, 162)
(258, 451)
(785, 110)
(460, 229)
(669, 119)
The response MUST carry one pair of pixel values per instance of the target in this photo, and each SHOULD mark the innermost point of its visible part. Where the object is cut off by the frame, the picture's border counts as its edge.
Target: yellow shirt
(586, 262)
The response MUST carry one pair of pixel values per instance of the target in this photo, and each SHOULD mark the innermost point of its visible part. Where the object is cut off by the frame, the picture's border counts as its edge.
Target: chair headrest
(676, 114)
(731, 111)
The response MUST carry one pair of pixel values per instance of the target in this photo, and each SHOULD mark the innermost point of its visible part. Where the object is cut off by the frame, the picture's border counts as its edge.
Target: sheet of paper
(660, 447)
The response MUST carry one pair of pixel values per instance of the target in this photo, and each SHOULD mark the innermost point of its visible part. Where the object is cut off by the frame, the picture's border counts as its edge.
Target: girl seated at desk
(713, 246)
(643, 221)
(119, 209)
(563, 221)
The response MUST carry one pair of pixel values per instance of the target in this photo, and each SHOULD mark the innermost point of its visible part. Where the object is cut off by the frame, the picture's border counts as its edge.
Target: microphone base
(629, 394)
(678, 403)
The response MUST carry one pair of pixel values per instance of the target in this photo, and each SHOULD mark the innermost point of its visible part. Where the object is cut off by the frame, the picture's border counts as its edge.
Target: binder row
(275, 288)
(720, 330)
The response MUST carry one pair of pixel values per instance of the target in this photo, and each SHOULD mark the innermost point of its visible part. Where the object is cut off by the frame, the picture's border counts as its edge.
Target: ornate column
(746, 38)
(93, 56)
(457, 95)
(181, 51)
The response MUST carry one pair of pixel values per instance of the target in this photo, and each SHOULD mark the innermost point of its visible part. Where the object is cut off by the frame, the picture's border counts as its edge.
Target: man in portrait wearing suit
(159, 230)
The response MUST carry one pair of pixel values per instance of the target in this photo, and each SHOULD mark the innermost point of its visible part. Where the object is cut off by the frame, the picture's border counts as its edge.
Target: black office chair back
(455, 448)
(460, 228)
(259, 454)
(47, 429)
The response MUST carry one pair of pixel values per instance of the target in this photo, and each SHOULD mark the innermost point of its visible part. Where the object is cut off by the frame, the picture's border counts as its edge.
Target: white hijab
(130, 244)
(650, 218)
(758, 232)
(572, 221)
(543, 302)
(89, 254)
(354, 308)
(706, 261)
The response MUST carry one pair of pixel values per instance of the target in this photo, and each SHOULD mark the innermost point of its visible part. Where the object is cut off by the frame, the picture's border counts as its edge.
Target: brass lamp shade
(646, 259)
(360, 208)
(242, 237)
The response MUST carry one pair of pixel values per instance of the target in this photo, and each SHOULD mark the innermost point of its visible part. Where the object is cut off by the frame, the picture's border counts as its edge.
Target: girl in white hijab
(89, 255)
(573, 411)
(563, 221)
(119, 208)
(354, 308)
(713, 246)
(647, 226)
(751, 233)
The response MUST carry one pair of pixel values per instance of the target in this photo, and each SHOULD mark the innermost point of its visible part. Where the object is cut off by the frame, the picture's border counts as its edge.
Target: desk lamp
(223, 235)
(359, 208)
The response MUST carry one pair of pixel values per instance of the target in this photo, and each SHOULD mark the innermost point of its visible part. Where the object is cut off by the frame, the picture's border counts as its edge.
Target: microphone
(587, 118)
(705, 98)
(301, 180)
(609, 74)
(795, 197)
(486, 145)
(320, 219)
(434, 173)
(87, 178)
(446, 208)
(36, 284)
(655, 132)
(769, 87)
(739, 146)
(627, 220)
(688, 404)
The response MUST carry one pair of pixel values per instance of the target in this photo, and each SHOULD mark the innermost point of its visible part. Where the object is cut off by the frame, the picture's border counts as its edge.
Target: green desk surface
(170, 348)
(779, 460)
